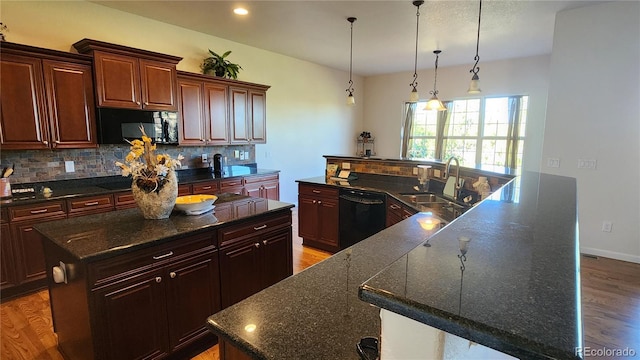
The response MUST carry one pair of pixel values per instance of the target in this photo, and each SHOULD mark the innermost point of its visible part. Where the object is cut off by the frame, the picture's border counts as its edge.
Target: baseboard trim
(611, 254)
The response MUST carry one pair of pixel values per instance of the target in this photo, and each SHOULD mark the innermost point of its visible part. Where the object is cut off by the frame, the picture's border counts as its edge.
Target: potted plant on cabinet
(218, 65)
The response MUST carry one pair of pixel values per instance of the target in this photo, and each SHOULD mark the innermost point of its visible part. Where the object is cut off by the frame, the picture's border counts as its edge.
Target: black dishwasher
(362, 214)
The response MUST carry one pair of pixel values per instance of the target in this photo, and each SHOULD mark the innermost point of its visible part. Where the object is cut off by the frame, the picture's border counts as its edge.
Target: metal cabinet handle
(163, 256)
(314, 201)
(158, 279)
(172, 274)
(57, 141)
(137, 102)
(41, 211)
(394, 207)
(206, 188)
(264, 242)
(46, 142)
(257, 245)
(260, 227)
(146, 103)
(316, 191)
(319, 202)
(93, 203)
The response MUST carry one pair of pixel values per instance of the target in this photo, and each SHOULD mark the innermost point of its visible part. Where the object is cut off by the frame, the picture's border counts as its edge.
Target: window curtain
(407, 128)
(513, 131)
(444, 119)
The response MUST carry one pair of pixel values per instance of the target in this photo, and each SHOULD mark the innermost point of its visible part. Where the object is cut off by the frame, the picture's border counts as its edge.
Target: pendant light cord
(435, 77)
(475, 68)
(350, 88)
(414, 83)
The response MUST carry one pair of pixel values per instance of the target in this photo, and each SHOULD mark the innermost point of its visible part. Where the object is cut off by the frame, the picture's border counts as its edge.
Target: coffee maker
(218, 165)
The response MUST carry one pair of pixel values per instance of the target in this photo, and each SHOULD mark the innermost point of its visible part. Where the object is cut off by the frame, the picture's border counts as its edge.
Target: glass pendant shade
(351, 100)
(435, 104)
(414, 96)
(474, 85)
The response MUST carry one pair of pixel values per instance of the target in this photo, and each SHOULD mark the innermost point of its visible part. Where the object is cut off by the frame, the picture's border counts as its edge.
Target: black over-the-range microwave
(115, 126)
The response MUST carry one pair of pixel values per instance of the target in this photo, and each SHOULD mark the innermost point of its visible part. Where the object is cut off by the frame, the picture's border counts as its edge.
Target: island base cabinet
(318, 217)
(148, 304)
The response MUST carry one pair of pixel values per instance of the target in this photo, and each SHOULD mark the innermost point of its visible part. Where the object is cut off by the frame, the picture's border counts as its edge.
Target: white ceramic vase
(157, 205)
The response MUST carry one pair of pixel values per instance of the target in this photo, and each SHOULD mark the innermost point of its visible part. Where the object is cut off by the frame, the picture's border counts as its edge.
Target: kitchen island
(123, 287)
(520, 293)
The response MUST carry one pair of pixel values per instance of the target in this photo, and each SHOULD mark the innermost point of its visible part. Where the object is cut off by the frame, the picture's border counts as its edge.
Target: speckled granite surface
(98, 236)
(65, 189)
(519, 291)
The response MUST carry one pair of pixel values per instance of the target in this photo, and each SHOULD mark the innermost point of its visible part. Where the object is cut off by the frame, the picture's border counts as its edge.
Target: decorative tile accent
(48, 165)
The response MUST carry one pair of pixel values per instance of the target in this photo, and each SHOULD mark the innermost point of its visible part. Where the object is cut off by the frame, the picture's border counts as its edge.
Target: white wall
(594, 113)
(385, 96)
(306, 112)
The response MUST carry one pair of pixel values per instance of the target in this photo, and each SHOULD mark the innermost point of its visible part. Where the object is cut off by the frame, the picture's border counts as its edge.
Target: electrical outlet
(415, 171)
(69, 166)
(587, 164)
(236, 154)
(436, 173)
(204, 158)
(346, 166)
(553, 162)
(241, 155)
(246, 155)
(606, 226)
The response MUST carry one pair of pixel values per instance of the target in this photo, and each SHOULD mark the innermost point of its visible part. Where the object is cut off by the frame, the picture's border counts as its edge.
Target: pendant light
(413, 96)
(434, 103)
(474, 86)
(350, 99)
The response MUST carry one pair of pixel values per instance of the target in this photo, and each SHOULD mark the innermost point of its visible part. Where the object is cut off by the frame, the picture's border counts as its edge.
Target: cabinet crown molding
(87, 46)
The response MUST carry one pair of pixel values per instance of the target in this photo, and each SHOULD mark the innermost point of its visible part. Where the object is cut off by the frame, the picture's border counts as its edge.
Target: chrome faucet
(448, 171)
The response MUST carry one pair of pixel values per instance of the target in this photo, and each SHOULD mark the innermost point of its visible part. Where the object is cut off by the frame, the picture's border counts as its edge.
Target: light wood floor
(610, 308)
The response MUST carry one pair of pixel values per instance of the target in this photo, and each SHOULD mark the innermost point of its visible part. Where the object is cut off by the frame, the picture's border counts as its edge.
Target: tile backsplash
(49, 165)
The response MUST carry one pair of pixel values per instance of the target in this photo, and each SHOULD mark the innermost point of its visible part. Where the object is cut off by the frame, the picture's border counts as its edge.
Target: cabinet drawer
(207, 187)
(184, 189)
(126, 265)
(260, 179)
(90, 205)
(38, 211)
(231, 185)
(124, 200)
(235, 233)
(313, 190)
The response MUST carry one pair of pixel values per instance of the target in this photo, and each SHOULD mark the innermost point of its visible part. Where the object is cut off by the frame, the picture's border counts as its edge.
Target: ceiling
(383, 35)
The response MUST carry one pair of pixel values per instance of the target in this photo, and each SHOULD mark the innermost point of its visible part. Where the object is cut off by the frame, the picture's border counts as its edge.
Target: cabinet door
(158, 85)
(271, 190)
(239, 271)
(217, 114)
(253, 190)
(276, 257)
(23, 123)
(28, 251)
(193, 294)
(8, 274)
(328, 223)
(117, 80)
(191, 102)
(69, 89)
(131, 318)
(308, 217)
(239, 115)
(258, 117)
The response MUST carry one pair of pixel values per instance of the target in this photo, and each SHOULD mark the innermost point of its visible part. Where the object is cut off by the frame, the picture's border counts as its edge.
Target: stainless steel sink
(446, 209)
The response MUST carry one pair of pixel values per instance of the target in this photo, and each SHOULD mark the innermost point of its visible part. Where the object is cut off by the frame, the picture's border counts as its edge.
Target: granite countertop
(515, 290)
(98, 236)
(65, 189)
(518, 294)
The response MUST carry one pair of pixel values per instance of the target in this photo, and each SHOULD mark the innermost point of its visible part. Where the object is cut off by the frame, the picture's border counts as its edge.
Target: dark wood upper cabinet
(46, 99)
(216, 111)
(132, 78)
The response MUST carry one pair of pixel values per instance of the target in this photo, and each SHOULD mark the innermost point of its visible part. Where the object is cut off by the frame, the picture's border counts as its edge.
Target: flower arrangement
(150, 175)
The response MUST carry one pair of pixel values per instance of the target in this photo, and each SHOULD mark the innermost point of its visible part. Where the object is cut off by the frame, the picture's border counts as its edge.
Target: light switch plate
(553, 162)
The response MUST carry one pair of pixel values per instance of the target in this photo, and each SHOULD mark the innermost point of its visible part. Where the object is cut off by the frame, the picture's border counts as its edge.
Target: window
(479, 132)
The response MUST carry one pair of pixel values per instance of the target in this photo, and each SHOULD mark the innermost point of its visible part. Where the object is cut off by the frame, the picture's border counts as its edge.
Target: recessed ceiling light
(240, 11)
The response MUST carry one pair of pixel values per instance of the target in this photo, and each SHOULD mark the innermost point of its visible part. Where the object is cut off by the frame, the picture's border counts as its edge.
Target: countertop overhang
(519, 292)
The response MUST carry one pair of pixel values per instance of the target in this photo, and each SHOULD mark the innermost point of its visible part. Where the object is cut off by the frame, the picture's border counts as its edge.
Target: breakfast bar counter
(515, 287)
